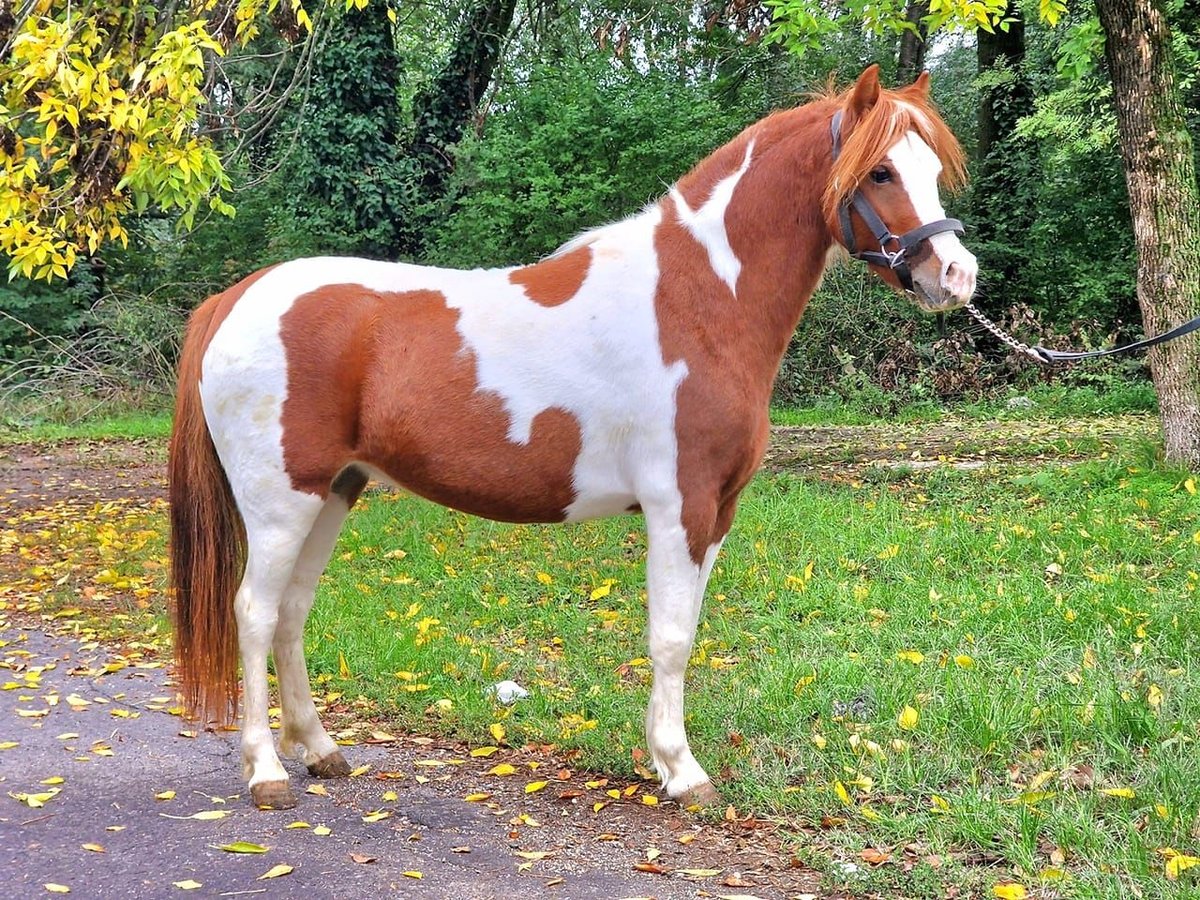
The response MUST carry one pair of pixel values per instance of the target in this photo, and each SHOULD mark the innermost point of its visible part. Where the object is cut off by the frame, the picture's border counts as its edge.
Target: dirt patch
(36, 474)
(956, 444)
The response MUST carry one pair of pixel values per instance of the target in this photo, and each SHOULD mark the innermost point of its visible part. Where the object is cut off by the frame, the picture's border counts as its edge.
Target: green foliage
(585, 143)
(31, 309)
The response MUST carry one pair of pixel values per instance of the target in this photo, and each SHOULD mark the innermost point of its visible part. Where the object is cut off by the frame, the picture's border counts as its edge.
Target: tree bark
(913, 43)
(1001, 199)
(1160, 173)
(1001, 107)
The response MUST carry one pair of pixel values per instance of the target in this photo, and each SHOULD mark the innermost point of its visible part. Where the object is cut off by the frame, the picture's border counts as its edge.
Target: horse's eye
(881, 175)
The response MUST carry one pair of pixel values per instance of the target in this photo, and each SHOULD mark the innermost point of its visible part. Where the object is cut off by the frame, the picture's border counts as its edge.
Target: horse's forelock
(872, 135)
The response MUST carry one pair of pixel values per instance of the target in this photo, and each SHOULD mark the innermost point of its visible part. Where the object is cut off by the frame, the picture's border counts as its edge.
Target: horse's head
(891, 148)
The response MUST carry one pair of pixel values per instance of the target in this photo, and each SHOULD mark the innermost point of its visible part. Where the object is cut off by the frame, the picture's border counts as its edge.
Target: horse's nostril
(953, 270)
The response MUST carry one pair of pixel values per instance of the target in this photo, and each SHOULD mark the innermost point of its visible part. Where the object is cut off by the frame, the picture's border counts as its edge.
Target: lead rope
(1002, 335)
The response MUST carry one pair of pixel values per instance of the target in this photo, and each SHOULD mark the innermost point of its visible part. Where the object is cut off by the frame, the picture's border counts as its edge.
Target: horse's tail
(208, 545)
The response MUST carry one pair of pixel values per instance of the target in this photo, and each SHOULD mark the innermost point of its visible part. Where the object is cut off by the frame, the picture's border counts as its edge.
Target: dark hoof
(332, 766)
(272, 795)
(701, 795)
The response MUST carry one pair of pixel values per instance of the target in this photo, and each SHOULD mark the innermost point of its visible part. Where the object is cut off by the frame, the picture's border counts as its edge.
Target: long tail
(208, 545)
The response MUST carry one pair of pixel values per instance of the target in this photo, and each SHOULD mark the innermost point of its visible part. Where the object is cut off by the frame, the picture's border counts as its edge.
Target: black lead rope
(1048, 357)
(897, 261)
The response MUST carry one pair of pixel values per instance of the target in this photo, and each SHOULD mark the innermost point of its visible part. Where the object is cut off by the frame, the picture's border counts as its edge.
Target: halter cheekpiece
(894, 259)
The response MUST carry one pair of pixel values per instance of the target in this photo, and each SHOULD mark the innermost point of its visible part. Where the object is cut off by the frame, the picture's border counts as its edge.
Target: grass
(1041, 625)
(132, 426)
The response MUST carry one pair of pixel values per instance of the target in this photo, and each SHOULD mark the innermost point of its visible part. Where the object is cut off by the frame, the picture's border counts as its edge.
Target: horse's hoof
(702, 795)
(332, 766)
(272, 795)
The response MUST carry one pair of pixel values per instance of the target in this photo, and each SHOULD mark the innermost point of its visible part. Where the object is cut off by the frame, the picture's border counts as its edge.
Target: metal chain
(1001, 334)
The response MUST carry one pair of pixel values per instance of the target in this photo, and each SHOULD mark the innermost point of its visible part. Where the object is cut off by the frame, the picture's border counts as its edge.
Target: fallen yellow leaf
(243, 847)
(277, 871)
(1010, 891)
(56, 888)
(484, 751)
(188, 885)
(908, 718)
(95, 848)
(534, 786)
(412, 874)
(502, 769)
(842, 793)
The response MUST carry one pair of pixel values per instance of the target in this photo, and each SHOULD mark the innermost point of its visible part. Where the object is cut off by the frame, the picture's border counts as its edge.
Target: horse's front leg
(675, 583)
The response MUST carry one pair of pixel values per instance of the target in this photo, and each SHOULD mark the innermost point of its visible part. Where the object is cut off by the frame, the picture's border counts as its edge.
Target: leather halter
(904, 244)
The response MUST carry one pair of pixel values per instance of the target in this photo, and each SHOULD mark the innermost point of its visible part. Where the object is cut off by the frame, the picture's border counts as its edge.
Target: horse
(628, 372)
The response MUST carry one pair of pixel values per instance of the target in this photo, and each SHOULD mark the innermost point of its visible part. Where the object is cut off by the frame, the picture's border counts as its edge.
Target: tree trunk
(1000, 107)
(443, 111)
(913, 43)
(1002, 198)
(1160, 172)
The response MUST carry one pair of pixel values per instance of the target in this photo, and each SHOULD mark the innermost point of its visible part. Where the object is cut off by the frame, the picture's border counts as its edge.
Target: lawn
(938, 679)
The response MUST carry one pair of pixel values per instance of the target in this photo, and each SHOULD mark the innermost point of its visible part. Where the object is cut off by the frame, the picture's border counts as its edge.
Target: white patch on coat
(707, 223)
(918, 168)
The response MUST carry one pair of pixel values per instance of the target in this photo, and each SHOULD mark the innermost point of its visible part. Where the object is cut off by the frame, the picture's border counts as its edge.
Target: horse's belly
(519, 498)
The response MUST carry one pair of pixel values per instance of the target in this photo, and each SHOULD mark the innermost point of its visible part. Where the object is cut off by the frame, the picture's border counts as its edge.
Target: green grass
(131, 426)
(1053, 611)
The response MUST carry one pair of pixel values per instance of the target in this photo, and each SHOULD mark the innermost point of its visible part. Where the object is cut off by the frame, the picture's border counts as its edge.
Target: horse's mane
(894, 114)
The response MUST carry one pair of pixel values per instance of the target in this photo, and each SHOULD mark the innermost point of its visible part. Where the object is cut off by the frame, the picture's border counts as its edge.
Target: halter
(897, 259)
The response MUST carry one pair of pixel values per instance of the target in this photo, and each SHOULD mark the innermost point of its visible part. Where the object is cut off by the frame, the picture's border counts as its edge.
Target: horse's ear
(866, 90)
(921, 85)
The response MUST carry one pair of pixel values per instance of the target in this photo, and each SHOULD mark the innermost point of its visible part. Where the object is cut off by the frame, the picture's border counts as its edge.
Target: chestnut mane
(866, 140)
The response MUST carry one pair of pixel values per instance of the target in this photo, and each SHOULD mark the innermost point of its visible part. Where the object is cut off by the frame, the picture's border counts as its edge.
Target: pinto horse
(628, 372)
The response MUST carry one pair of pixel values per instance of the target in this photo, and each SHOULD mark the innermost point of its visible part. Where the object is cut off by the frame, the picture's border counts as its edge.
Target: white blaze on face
(918, 168)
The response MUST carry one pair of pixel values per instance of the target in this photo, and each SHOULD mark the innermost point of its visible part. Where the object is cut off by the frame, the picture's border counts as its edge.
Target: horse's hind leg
(274, 545)
(301, 735)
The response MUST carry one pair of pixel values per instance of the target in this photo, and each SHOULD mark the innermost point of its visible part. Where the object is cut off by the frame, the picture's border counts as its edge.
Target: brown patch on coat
(554, 280)
(732, 345)
(384, 379)
(207, 536)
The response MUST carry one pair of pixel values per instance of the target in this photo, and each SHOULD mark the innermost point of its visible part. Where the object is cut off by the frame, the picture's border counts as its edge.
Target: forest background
(487, 132)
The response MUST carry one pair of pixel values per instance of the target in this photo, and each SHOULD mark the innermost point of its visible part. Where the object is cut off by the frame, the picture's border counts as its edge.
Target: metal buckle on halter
(895, 259)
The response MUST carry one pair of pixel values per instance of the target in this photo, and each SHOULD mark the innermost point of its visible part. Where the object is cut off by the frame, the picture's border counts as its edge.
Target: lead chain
(1001, 334)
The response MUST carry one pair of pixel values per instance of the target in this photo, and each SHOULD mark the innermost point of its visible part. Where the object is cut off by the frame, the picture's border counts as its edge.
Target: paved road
(115, 753)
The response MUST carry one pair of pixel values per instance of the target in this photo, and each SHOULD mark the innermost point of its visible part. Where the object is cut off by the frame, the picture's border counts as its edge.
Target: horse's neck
(743, 244)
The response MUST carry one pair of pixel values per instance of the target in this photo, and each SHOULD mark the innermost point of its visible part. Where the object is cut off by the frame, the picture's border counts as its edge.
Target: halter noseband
(896, 260)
